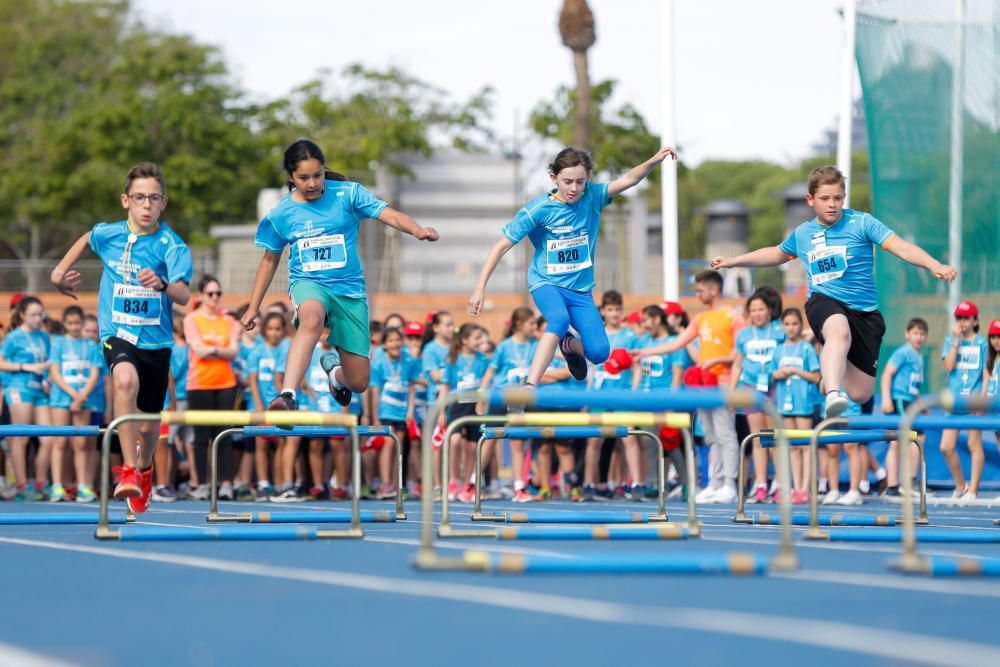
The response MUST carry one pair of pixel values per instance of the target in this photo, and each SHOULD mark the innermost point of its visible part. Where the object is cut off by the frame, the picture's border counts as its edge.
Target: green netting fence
(930, 75)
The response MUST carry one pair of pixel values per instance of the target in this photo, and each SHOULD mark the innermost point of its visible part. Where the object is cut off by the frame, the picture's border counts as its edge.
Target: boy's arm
(886, 387)
(772, 256)
(736, 372)
(670, 346)
(65, 280)
(496, 254)
(177, 291)
(951, 354)
(404, 223)
(917, 256)
(635, 175)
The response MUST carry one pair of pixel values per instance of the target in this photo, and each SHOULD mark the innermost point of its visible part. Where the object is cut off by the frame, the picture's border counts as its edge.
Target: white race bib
(321, 253)
(826, 264)
(135, 305)
(567, 255)
(761, 351)
(75, 372)
(652, 366)
(969, 358)
(517, 375)
(265, 370)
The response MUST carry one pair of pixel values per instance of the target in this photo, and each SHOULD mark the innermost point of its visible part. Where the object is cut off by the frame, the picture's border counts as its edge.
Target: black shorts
(152, 366)
(867, 330)
(470, 431)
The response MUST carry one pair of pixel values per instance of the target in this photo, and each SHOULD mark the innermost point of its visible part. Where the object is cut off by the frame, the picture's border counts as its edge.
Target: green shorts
(346, 316)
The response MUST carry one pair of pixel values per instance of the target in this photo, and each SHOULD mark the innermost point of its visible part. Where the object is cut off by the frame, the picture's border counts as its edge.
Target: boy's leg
(725, 433)
(976, 460)
(833, 358)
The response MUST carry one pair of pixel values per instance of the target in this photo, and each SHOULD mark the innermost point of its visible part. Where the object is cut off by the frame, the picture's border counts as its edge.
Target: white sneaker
(968, 496)
(865, 487)
(836, 403)
(850, 498)
(706, 495)
(831, 498)
(823, 486)
(959, 493)
(726, 495)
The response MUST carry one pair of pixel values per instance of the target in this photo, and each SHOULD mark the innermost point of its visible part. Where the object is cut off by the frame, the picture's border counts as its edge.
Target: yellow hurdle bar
(668, 419)
(246, 418)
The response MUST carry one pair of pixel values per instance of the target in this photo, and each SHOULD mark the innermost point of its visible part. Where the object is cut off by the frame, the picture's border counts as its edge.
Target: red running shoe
(141, 504)
(129, 482)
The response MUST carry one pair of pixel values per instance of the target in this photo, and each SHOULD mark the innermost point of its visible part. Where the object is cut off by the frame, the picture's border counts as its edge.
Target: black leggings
(212, 399)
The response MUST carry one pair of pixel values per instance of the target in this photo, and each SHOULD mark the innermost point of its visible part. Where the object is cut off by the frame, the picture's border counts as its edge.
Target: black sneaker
(576, 362)
(284, 401)
(329, 362)
(891, 491)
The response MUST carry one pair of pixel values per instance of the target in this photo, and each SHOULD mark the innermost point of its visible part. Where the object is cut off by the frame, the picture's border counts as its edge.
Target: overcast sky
(754, 79)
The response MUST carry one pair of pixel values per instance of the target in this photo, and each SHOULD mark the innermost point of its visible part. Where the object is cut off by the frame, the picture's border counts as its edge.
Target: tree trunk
(34, 254)
(581, 135)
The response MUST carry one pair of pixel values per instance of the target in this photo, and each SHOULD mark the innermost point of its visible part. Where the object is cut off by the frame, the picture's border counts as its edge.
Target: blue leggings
(562, 308)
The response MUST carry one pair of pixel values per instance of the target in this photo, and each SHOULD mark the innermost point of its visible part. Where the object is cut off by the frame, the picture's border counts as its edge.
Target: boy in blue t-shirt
(836, 248)
(563, 225)
(902, 379)
(147, 269)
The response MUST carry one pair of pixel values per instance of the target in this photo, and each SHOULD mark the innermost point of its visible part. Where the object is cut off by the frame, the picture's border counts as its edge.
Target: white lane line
(914, 584)
(13, 655)
(892, 644)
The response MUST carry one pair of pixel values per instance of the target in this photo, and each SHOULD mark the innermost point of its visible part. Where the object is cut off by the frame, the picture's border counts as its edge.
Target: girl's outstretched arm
(261, 281)
(635, 175)
(771, 256)
(496, 254)
(404, 223)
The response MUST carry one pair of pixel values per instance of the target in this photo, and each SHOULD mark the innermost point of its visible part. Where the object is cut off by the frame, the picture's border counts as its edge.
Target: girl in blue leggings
(563, 225)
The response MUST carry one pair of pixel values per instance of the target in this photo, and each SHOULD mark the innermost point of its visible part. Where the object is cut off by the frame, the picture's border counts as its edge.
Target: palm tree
(576, 26)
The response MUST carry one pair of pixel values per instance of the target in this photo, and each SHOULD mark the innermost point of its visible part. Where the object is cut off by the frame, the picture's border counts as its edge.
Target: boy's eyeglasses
(140, 199)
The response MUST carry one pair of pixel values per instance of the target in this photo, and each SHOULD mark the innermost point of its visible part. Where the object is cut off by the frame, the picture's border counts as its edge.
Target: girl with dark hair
(24, 356)
(464, 373)
(563, 225)
(319, 219)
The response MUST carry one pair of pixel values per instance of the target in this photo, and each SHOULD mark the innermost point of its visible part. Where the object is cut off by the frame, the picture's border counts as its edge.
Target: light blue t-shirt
(599, 378)
(126, 309)
(909, 377)
(266, 361)
(75, 358)
(96, 401)
(466, 373)
(993, 386)
(511, 361)
(317, 380)
(839, 259)
(179, 367)
(564, 236)
(323, 236)
(757, 345)
(657, 369)
(433, 358)
(22, 347)
(966, 378)
(794, 394)
(393, 378)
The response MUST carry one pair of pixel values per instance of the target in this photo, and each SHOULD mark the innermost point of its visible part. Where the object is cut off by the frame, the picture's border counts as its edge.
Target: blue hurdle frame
(214, 516)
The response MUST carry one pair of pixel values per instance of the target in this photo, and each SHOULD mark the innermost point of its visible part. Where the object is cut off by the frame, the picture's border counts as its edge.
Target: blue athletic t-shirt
(966, 378)
(794, 394)
(179, 367)
(393, 378)
(75, 358)
(993, 386)
(599, 378)
(511, 362)
(127, 310)
(657, 369)
(433, 358)
(839, 259)
(909, 375)
(466, 373)
(96, 401)
(317, 380)
(266, 361)
(564, 236)
(757, 345)
(323, 236)
(22, 347)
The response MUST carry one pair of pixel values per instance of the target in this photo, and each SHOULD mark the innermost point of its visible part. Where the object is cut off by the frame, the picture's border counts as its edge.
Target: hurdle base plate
(911, 564)
(920, 521)
(105, 533)
(742, 518)
(400, 516)
(479, 516)
(429, 561)
(226, 518)
(448, 531)
(351, 533)
(658, 518)
(817, 534)
(785, 561)
(694, 528)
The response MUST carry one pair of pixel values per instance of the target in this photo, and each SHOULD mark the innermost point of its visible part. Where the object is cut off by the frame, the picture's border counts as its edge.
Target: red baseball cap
(994, 328)
(671, 308)
(413, 329)
(430, 315)
(696, 376)
(15, 299)
(618, 361)
(635, 317)
(966, 309)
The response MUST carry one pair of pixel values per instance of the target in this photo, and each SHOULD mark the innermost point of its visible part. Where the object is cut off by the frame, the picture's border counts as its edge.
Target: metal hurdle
(225, 418)
(716, 563)
(815, 532)
(72, 518)
(306, 432)
(533, 432)
(801, 438)
(594, 425)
